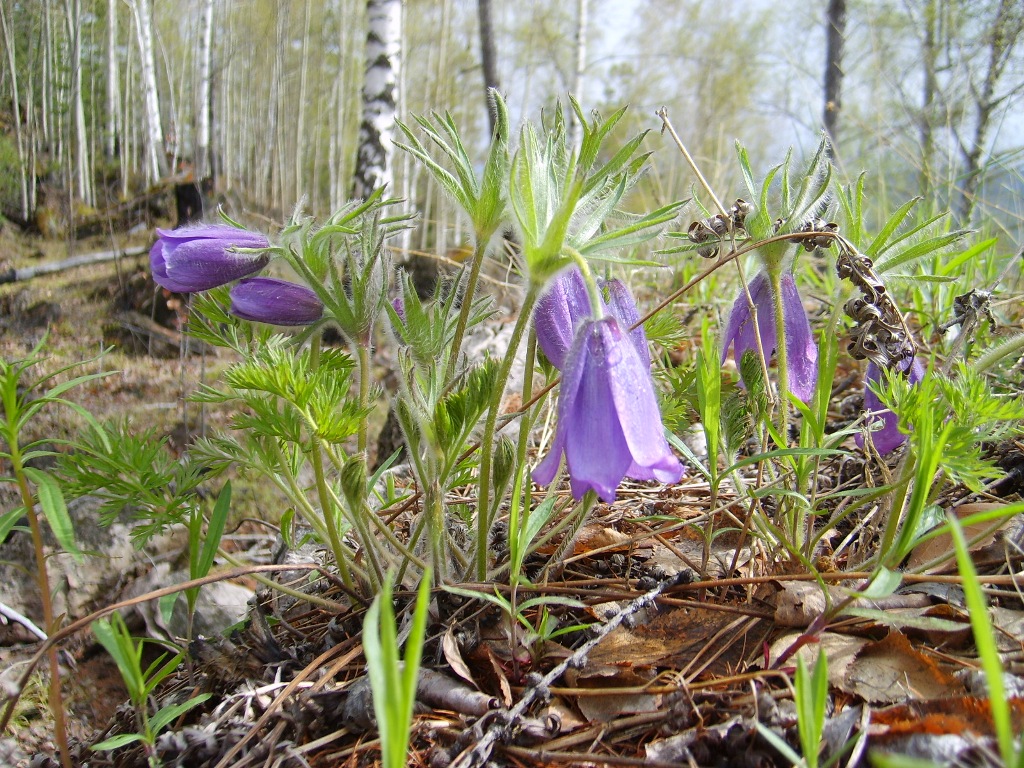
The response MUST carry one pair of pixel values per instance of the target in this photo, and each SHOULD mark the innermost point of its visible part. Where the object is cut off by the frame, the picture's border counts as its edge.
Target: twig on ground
(503, 722)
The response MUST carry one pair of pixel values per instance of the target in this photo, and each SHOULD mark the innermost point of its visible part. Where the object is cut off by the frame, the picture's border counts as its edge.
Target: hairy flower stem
(483, 517)
(56, 697)
(365, 376)
(327, 507)
(781, 358)
(467, 304)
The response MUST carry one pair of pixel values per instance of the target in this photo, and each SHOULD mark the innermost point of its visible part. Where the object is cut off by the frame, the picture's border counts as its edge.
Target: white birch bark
(203, 161)
(73, 21)
(113, 93)
(383, 63)
(300, 127)
(156, 161)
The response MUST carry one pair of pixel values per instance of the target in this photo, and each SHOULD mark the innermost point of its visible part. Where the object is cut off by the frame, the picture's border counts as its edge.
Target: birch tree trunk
(376, 130)
(300, 126)
(156, 160)
(203, 163)
(19, 141)
(113, 94)
(82, 174)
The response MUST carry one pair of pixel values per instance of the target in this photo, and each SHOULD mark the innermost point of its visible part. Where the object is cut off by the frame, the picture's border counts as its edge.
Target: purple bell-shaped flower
(609, 426)
(887, 438)
(801, 351)
(199, 258)
(275, 302)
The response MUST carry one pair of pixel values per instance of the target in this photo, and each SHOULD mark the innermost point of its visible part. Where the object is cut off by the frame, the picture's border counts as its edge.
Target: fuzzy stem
(467, 304)
(365, 376)
(483, 516)
(781, 361)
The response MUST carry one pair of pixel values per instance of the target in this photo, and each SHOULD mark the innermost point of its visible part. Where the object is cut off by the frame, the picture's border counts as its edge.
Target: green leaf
(51, 499)
(166, 605)
(172, 712)
(116, 742)
(890, 226)
(214, 532)
(883, 583)
(8, 520)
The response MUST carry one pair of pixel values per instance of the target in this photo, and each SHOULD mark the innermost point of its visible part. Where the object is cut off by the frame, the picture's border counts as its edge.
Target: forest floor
(694, 672)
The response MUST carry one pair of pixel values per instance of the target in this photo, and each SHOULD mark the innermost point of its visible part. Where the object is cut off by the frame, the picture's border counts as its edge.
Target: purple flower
(566, 304)
(801, 351)
(199, 258)
(559, 311)
(609, 426)
(275, 302)
(398, 304)
(889, 437)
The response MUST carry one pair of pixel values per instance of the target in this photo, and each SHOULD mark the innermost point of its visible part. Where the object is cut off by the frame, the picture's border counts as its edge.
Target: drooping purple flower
(199, 258)
(558, 313)
(565, 305)
(888, 438)
(801, 351)
(275, 302)
(609, 426)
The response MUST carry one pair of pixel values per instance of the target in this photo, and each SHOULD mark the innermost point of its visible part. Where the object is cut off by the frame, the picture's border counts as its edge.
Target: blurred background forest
(102, 100)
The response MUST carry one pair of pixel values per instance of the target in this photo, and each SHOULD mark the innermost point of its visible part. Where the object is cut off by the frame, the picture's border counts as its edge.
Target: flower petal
(558, 313)
(801, 351)
(596, 451)
(740, 331)
(889, 437)
(623, 308)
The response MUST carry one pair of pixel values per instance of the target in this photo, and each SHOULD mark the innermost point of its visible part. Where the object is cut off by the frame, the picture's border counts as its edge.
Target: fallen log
(87, 259)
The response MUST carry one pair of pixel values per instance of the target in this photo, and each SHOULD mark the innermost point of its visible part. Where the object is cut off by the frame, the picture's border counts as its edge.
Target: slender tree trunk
(488, 55)
(19, 141)
(582, 9)
(1005, 33)
(73, 19)
(113, 94)
(203, 164)
(383, 60)
(835, 35)
(156, 160)
(300, 127)
(929, 90)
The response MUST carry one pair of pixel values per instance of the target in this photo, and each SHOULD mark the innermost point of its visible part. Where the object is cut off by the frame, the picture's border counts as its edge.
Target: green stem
(56, 697)
(365, 376)
(467, 305)
(329, 509)
(781, 361)
(323, 602)
(483, 516)
(593, 292)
